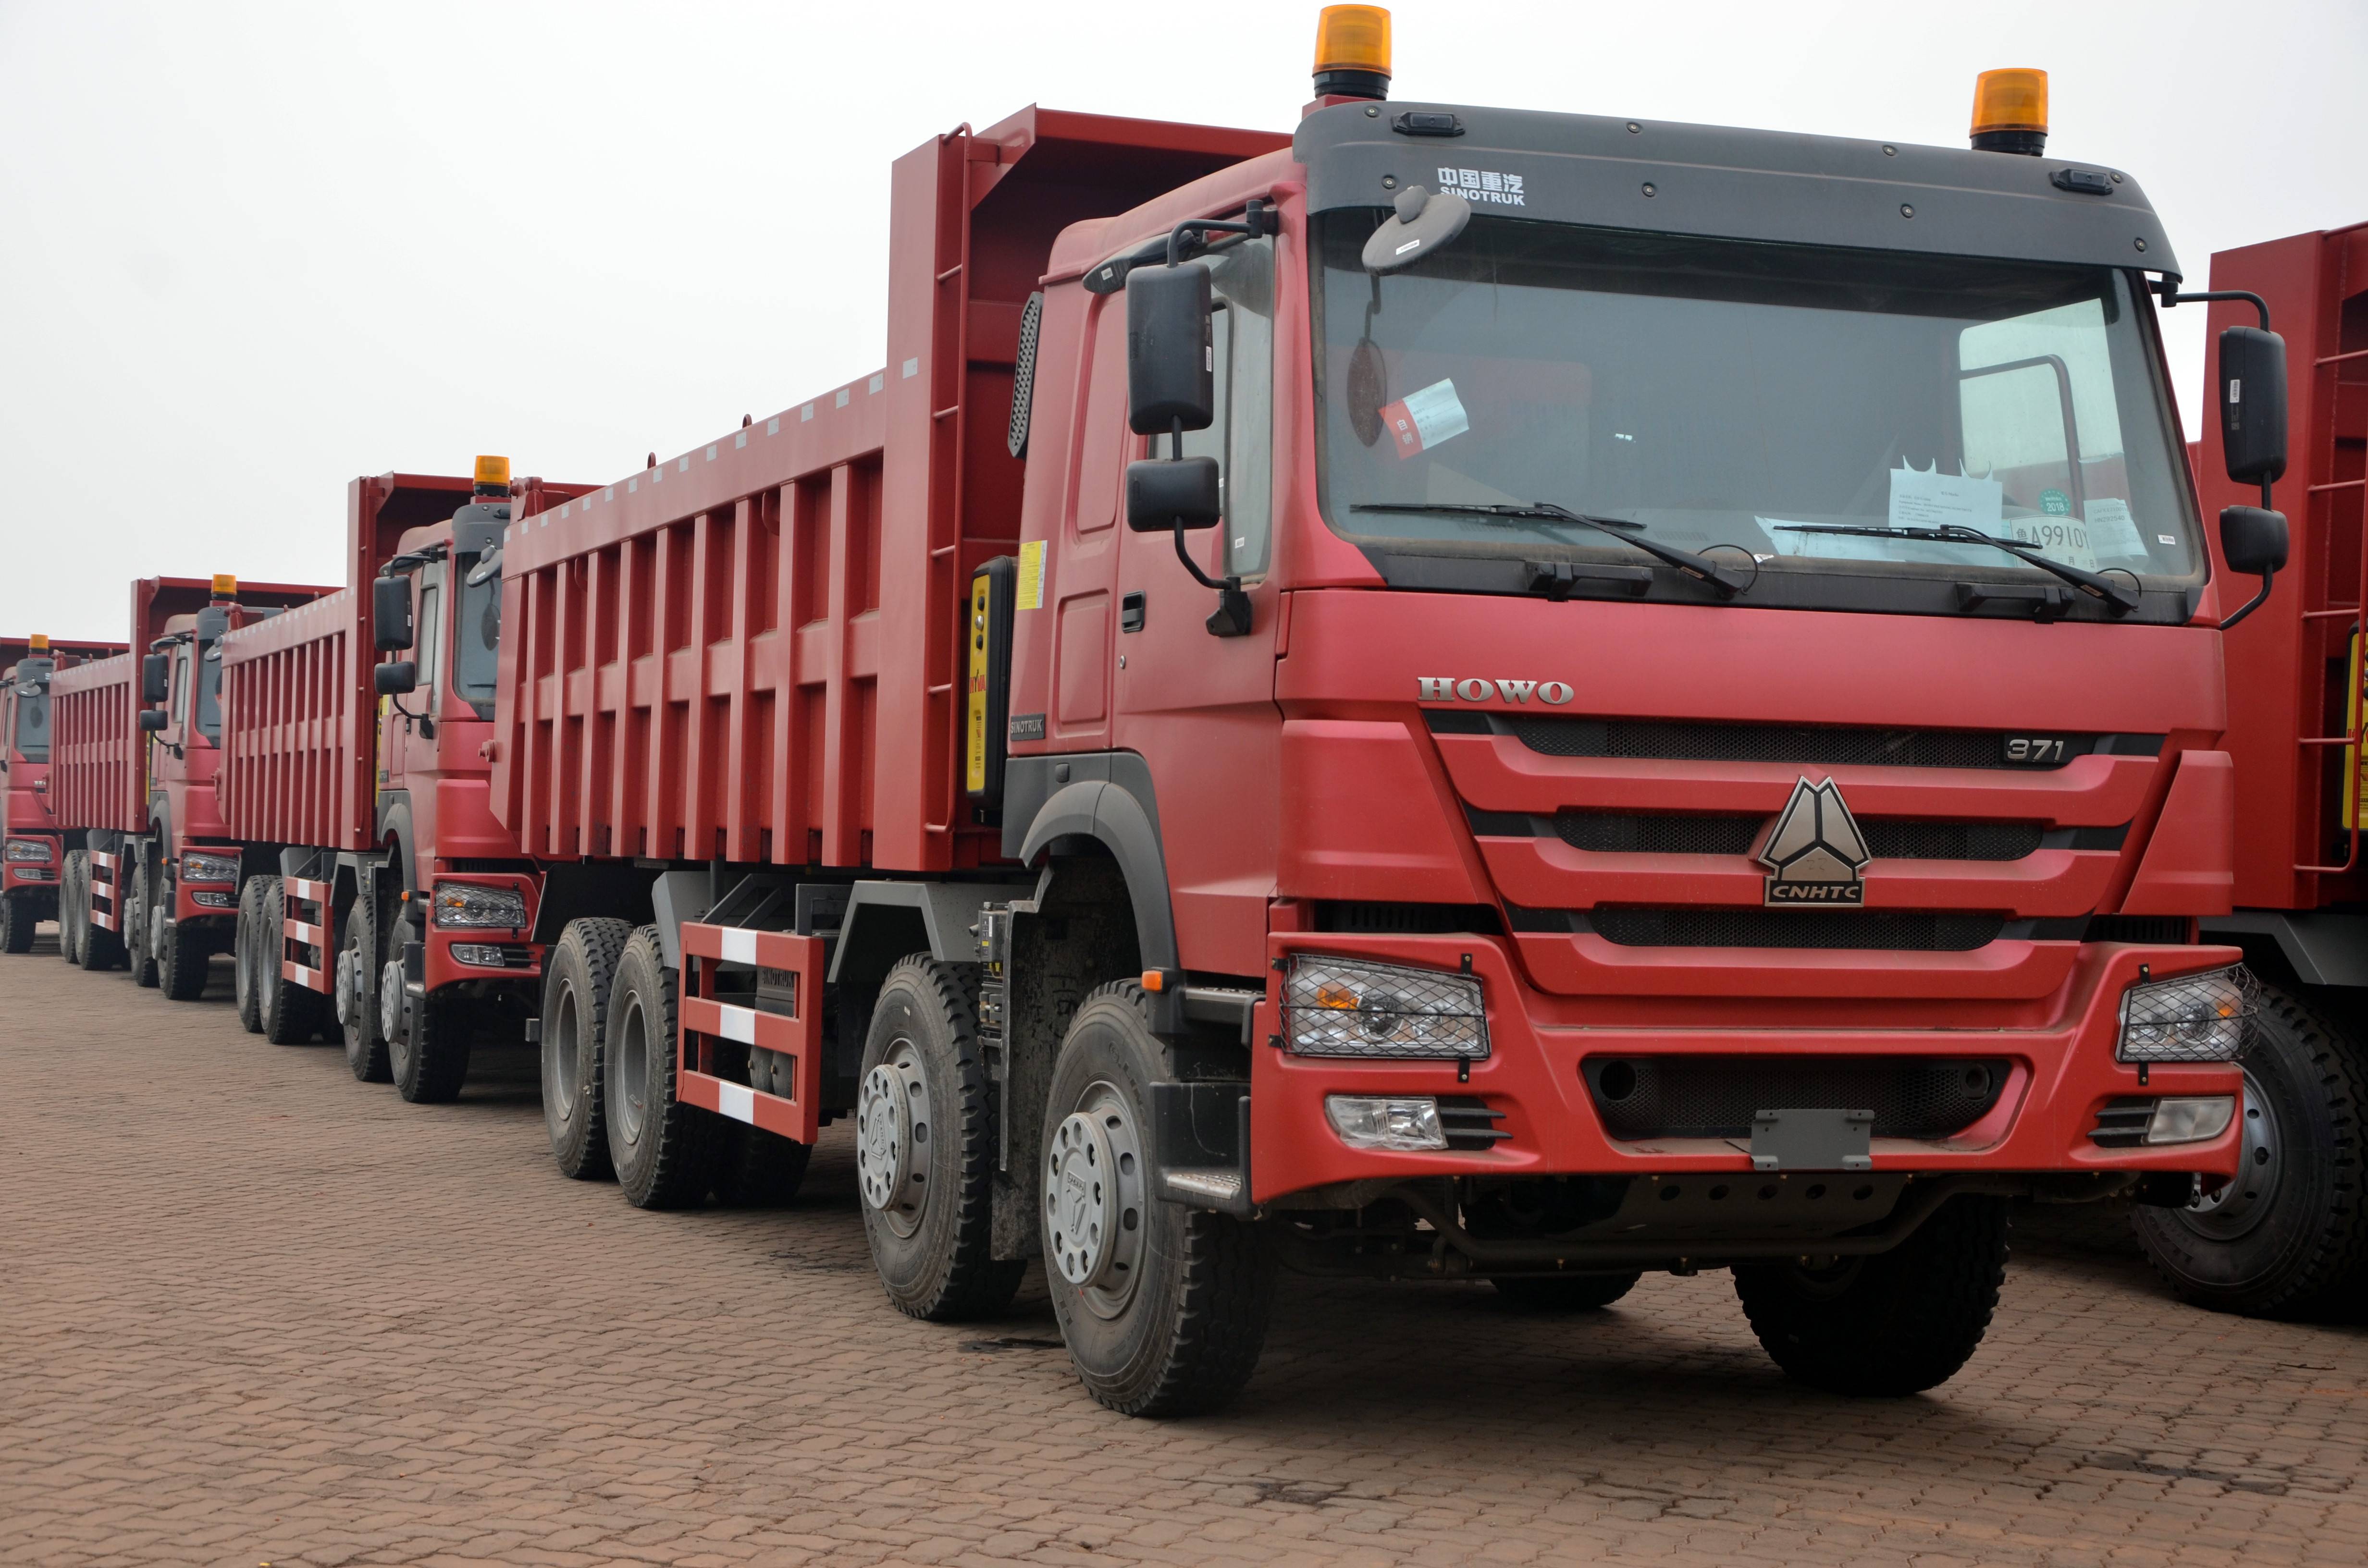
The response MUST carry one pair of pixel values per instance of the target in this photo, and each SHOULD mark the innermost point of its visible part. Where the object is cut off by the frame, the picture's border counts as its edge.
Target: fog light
(214, 900)
(34, 849)
(483, 954)
(2197, 1017)
(1404, 1122)
(2195, 1119)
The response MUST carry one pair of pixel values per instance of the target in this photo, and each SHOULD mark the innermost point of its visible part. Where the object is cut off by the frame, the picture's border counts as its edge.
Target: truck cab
(32, 851)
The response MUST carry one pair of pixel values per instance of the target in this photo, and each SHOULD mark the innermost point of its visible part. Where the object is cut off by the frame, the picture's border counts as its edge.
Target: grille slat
(1716, 1096)
(1936, 931)
(1886, 839)
(1469, 1124)
(2122, 1124)
(1826, 746)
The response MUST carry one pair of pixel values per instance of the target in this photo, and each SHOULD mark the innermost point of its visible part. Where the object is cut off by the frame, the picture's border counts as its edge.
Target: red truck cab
(33, 845)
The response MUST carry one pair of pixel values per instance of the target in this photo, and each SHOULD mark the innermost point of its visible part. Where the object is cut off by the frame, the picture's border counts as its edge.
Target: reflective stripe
(737, 1101)
(739, 947)
(737, 1023)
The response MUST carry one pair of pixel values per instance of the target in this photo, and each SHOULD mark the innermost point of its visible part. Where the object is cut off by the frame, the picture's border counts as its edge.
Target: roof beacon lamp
(2011, 111)
(493, 476)
(226, 588)
(1352, 53)
(39, 642)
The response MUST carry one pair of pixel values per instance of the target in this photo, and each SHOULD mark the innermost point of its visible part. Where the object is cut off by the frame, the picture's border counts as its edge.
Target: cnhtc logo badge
(1815, 853)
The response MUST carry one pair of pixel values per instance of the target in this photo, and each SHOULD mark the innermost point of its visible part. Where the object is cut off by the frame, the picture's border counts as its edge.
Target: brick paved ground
(252, 1311)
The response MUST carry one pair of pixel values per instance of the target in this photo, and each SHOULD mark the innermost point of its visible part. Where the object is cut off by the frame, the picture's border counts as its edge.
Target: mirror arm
(2255, 603)
(1232, 616)
(1259, 218)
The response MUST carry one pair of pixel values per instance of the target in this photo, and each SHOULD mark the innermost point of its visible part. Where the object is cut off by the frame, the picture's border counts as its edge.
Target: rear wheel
(73, 912)
(1895, 1323)
(357, 1020)
(289, 1011)
(184, 955)
(98, 947)
(2288, 1238)
(16, 922)
(1163, 1308)
(664, 1150)
(925, 1152)
(578, 981)
(139, 919)
(757, 1169)
(248, 950)
(1565, 1292)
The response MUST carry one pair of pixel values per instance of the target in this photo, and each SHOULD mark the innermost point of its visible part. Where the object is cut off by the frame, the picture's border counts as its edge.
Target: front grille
(1886, 839)
(1469, 1124)
(2160, 930)
(1881, 929)
(2122, 1124)
(1367, 918)
(1824, 745)
(1716, 1096)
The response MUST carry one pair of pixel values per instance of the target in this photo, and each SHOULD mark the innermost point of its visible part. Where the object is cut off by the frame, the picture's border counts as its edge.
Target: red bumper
(43, 875)
(2058, 1077)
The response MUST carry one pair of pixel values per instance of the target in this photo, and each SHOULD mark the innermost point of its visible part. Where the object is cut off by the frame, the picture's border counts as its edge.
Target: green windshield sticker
(2054, 503)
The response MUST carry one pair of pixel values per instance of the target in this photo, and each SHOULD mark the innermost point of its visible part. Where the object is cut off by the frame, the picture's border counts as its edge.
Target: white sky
(249, 250)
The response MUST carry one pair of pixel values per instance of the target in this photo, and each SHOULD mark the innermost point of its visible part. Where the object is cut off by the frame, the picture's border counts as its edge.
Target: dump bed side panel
(96, 777)
(295, 767)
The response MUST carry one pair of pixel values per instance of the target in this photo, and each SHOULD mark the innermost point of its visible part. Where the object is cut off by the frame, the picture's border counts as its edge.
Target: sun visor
(1735, 184)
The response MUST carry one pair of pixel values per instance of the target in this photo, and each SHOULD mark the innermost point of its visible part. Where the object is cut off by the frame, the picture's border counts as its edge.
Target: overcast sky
(250, 250)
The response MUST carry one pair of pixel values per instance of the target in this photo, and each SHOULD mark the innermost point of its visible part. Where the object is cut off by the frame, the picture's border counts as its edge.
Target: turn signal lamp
(225, 585)
(2011, 111)
(1352, 53)
(493, 476)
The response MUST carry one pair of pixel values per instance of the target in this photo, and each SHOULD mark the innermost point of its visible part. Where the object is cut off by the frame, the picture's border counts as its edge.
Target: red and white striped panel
(313, 934)
(798, 1037)
(102, 889)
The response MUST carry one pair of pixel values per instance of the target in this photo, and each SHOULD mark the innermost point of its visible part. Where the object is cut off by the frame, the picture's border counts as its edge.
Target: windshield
(477, 641)
(32, 738)
(1716, 390)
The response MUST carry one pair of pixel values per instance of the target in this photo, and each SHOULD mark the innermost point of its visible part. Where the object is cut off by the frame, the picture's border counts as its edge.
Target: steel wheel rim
(892, 1139)
(2237, 1207)
(632, 1058)
(1094, 1213)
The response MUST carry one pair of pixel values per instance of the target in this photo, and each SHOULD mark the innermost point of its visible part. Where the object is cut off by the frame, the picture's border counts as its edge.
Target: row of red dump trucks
(1435, 697)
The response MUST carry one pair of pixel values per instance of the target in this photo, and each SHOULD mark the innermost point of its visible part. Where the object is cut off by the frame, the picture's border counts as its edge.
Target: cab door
(1078, 590)
(406, 725)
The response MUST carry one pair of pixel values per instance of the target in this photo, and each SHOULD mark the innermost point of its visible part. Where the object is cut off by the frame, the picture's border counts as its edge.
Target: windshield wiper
(2124, 600)
(1699, 567)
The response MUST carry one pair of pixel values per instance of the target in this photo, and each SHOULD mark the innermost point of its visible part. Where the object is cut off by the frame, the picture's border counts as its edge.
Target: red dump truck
(154, 883)
(2289, 1237)
(32, 846)
(356, 788)
(1434, 697)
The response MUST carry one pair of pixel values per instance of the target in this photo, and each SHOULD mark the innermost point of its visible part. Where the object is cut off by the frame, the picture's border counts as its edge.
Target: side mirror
(1161, 492)
(155, 678)
(1418, 224)
(2253, 405)
(153, 720)
(391, 615)
(2254, 541)
(397, 678)
(1170, 381)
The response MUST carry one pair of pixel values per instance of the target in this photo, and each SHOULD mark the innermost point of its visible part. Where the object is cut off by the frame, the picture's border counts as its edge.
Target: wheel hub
(1094, 1209)
(892, 1133)
(2235, 1209)
(349, 987)
(390, 1001)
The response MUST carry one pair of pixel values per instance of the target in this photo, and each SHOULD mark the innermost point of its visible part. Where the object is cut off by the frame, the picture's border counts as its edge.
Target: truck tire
(291, 1012)
(757, 1169)
(1163, 1308)
(429, 1061)
(924, 1148)
(1895, 1324)
(664, 1150)
(73, 912)
(2289, 1237)
(1565, 1292)
(577, 982)
(16, 923)
(139, 922)
(96, 948)
(248, 950)
(356, 1018)
(184, 956)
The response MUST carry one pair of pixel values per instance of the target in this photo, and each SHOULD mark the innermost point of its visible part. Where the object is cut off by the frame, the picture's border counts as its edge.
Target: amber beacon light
(1352, 53)
(2011, 111)
(493, 476)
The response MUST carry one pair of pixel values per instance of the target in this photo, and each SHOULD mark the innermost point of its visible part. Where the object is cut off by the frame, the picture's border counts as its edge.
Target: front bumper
(2059, 1075)
(455, 954)
(35, 875)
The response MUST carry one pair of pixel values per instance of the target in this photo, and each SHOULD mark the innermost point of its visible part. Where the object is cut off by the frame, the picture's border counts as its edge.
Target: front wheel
(1163, 1308)
(140, 921)
(16, 923)
(1895, 1324)
(357, 1021)
(429, 1058)
(2288, 1237)
(184, 957)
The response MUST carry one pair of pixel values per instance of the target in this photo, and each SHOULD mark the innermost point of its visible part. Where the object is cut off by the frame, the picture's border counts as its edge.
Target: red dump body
(752, 651)
(2293, 669)
(98, 777)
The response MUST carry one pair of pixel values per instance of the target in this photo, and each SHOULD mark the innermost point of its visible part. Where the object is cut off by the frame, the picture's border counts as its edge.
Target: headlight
(208, 868)
(36, 850)
(2197, 1017)
(1336, 1007)
(462, 904)
(1404, 1122)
